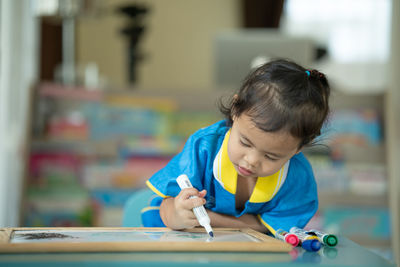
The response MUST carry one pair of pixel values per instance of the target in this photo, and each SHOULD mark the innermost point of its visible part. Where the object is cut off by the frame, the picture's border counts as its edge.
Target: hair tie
(308, 73)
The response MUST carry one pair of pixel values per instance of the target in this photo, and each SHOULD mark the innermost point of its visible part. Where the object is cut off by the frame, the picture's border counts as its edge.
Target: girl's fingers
(185, 201)
(193, 223)
(188, 219)
(188, 192)
(202, 193)
(188, 214)
(196, 202)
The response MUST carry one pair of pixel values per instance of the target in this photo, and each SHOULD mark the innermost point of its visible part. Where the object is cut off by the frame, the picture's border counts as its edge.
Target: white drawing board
(134, 239)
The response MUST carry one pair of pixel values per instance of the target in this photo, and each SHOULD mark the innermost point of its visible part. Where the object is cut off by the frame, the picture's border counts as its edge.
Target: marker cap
(311, 245)
(330, 240)
(292, 239)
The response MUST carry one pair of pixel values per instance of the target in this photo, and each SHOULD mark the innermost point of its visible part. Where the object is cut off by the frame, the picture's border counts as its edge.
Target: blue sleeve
(151, 214)
(297, 201)
(191, 161)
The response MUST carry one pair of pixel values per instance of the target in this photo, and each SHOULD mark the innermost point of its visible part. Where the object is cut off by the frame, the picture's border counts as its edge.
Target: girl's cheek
(269, 169)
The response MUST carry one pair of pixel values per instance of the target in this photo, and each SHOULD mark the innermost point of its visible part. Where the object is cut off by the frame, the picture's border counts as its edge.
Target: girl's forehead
(280, 140)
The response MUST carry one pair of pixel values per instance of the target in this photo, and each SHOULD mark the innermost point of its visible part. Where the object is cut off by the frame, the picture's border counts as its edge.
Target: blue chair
(133, 207)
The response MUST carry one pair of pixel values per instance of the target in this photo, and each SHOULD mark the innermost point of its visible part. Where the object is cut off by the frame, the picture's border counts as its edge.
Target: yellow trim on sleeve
(155, 189)
(266, 225)
(149, 208)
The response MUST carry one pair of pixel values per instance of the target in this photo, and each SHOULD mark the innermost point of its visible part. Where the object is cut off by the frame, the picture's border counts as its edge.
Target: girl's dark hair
(282, 95)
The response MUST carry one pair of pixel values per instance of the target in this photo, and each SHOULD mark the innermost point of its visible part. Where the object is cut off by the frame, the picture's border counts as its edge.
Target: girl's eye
(244, 144)
(268, 157)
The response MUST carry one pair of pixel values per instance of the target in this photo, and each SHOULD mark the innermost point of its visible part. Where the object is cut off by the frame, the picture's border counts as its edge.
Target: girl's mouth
(245, 172)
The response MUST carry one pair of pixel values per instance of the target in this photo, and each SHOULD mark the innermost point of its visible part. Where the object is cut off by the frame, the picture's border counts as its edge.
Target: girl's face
(256, 153)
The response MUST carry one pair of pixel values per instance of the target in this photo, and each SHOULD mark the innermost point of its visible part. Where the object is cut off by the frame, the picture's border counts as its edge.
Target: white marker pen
(200, 212)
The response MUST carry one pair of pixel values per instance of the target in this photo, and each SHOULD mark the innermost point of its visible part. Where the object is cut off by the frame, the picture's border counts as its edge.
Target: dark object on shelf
(262, 13)
(321, 52)
(133, 30)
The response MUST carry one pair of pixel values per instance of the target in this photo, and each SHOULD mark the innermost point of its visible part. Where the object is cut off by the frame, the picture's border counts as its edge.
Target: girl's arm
(176, 213)
(244, 221)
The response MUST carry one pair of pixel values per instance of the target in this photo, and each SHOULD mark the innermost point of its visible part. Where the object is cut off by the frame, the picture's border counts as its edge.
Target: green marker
(326, 239)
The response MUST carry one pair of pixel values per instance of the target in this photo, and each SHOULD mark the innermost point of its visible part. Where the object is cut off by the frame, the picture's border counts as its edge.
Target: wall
(18, 71)
(393, 130)
(177, 44)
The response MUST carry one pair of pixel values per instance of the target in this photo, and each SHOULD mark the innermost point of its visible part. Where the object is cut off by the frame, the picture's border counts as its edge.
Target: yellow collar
(225, 173)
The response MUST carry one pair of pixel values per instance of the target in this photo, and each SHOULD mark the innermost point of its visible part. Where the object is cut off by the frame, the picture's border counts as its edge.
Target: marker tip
(211, 233)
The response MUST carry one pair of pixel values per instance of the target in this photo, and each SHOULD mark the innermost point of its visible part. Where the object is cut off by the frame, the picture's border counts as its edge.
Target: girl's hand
(177, 212)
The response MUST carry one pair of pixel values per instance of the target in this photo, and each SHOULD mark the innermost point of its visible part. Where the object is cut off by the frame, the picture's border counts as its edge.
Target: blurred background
(96, 96)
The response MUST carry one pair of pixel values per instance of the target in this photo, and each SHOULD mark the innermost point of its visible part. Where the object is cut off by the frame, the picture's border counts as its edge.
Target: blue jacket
(293, 203)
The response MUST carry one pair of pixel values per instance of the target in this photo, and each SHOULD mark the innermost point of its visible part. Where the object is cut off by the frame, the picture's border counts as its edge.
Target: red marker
(287, 237)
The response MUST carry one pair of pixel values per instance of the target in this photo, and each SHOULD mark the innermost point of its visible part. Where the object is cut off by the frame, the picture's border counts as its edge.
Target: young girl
(248, 170)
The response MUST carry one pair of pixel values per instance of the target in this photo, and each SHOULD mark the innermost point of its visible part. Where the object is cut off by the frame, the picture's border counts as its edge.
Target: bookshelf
(351, 171)
(93, 149)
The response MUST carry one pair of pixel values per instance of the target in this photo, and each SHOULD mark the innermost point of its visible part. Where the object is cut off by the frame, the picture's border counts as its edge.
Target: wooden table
(347, 253)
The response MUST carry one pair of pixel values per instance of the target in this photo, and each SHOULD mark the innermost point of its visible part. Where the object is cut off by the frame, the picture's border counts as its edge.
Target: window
(352, 31)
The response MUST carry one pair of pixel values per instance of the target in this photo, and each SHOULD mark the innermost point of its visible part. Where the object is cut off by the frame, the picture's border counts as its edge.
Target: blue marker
(308, 242)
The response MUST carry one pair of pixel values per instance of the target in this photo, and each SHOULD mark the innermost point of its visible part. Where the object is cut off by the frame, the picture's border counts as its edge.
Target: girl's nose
(251, 159)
